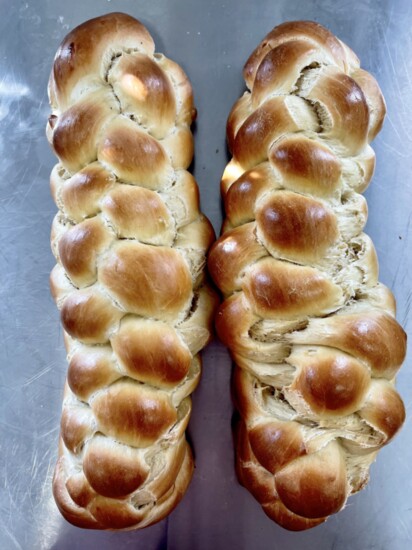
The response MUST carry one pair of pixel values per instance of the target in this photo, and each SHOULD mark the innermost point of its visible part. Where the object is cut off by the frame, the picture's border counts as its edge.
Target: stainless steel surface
(212, 40)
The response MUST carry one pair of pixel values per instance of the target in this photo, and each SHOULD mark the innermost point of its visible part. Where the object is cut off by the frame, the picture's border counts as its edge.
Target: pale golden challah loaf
(130, 244)
(311, 330)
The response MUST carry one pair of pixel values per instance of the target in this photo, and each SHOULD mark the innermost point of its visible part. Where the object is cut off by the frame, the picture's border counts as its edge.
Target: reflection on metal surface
(12, 89)
(211, 40)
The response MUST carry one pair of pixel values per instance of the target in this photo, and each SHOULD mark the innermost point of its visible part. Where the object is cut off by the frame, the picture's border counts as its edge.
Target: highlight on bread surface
(311, 330)
(130, 244)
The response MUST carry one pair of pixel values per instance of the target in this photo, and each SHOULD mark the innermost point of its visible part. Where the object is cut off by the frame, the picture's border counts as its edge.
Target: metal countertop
(211, 40)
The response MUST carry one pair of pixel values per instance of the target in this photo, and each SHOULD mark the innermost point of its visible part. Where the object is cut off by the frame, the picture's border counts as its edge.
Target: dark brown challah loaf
(311, 330)
(130, 244)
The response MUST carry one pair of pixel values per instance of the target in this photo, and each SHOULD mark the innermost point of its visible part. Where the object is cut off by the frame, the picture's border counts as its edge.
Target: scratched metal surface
(211, 40)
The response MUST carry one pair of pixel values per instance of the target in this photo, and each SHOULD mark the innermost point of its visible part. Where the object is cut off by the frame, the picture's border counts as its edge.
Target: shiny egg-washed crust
(311, 330)
(130, 244)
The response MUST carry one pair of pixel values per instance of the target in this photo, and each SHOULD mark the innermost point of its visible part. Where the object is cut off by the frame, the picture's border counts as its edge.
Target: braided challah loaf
(311, 330)
(130, 244)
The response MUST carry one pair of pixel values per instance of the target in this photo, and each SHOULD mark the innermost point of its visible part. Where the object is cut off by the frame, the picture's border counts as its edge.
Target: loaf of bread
(130, 245)
(311, 330)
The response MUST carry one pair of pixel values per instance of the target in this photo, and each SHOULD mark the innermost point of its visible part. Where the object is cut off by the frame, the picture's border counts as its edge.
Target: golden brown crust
(90, 369)
(231, 255)
(373, 336)
(307, 31)
(79, 248)
(311, 330)
(148, 281)
(76, 425)
(134, 212)
(83, 507)
(167, 361)
(146, 90)
(80, 195)
(320, 478)
(89, 316)
(131, 154)
(275, 444)
(76, 132)
(277, 116)
(384, 409)
(374, 98)
(130, 244)
(133, 414)
(296, 227)
(307, 165)
(80, 54)
(279, 289)
(330, 382)
(260, 482)
(113, 470)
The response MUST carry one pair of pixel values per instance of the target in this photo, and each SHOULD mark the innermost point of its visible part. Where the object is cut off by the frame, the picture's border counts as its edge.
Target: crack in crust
(311, 330)
(130, 244)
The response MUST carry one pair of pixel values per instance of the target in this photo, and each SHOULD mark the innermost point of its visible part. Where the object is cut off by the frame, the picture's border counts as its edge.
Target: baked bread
(311, 330)
(130, 245)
